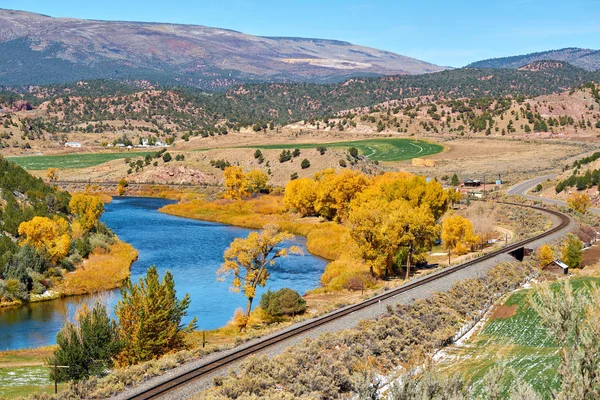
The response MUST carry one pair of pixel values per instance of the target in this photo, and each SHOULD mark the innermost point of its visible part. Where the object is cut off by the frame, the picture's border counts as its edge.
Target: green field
(375, 149)
(69, 161)
(23, 381)
(519, 342)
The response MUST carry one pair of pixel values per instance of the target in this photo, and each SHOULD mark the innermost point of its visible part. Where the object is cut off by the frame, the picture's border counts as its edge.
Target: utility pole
(484, 186)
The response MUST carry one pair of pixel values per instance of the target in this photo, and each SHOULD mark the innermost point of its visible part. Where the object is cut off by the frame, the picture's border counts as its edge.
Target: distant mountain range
(583, 58)
(38, 49)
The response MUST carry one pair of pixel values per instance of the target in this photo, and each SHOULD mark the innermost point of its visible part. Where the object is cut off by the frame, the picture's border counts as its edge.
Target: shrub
(293, 176)
(305, 164)
(82, 247)
(296, 152)
(15, 290)
(166, 157)
(353, 152)
(321, 149)
(285, 155)
(283, 302)
(221, 164)
(343, 163)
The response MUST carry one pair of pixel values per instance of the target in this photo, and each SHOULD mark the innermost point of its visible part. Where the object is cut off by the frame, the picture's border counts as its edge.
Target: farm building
(472, 183)
(72, 144)
(557, 267)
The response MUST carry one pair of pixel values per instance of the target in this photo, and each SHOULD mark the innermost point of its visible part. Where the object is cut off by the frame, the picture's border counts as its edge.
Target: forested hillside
(45, 232)
(583, 58)
(187, 109)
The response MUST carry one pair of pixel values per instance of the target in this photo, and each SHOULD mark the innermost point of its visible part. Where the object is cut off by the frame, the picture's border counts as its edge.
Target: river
(192, 250)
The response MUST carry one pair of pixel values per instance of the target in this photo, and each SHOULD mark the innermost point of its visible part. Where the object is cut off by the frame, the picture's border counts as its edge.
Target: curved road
(523, 188)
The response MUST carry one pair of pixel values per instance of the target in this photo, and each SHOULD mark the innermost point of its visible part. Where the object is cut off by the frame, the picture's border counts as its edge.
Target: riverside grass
(328, 240)
(103, 270)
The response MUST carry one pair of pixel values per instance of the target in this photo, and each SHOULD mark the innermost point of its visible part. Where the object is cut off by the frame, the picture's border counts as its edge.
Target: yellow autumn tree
(454, 195)
(411, 188)
(86, 209)
(545, 255)
(381, 228)
(457, 235)
(257, 181)
(335, 191)
(236, 183)
(52, 174)
(579, 202)
(300, 195)
(121, 187)
(249, 260)
(51, 236)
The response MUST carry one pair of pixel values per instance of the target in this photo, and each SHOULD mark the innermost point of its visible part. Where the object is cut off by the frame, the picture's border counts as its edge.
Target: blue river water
(192, 250)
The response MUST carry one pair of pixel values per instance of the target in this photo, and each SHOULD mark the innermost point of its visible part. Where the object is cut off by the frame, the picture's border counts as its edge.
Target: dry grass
(324, 239)
(504, 311)
(102, 271)
(17, 358)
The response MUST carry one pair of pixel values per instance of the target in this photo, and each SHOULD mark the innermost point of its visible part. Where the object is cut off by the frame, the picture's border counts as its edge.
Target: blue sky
(450, 32)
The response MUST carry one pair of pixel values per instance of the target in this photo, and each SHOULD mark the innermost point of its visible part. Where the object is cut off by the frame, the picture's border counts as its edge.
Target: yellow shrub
(339, 272)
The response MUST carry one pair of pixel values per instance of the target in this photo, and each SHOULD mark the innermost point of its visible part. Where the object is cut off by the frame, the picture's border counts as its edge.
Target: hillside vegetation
(583, 58)
(45, 233)
(141, 109)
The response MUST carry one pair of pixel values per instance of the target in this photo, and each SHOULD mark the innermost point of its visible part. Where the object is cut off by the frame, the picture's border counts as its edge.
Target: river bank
(105, 269)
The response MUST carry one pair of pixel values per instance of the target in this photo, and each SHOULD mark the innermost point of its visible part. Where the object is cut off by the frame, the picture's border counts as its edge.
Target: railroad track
(229, 359)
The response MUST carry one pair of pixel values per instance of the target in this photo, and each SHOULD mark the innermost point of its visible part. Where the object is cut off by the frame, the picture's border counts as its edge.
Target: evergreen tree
(150, 318)
(455, 181)
(572, 251)
(87, 345)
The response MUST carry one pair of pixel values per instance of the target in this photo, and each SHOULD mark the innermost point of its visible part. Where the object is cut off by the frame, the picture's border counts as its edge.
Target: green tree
(87, 345)
(455, 181)
(353, 152)
(305, 163)
(150, 318)
(283, 302)
(572, 251)
(166, 157)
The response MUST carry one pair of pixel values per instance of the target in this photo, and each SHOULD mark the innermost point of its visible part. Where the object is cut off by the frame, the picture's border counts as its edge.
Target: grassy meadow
(375, 149)
(72, 161)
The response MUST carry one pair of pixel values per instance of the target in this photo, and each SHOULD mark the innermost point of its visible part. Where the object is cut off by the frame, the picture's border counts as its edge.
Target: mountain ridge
(188, 55)
(588, 59)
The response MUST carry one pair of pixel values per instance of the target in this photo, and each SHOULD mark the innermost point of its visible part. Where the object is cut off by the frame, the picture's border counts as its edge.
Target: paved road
(523, 188)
